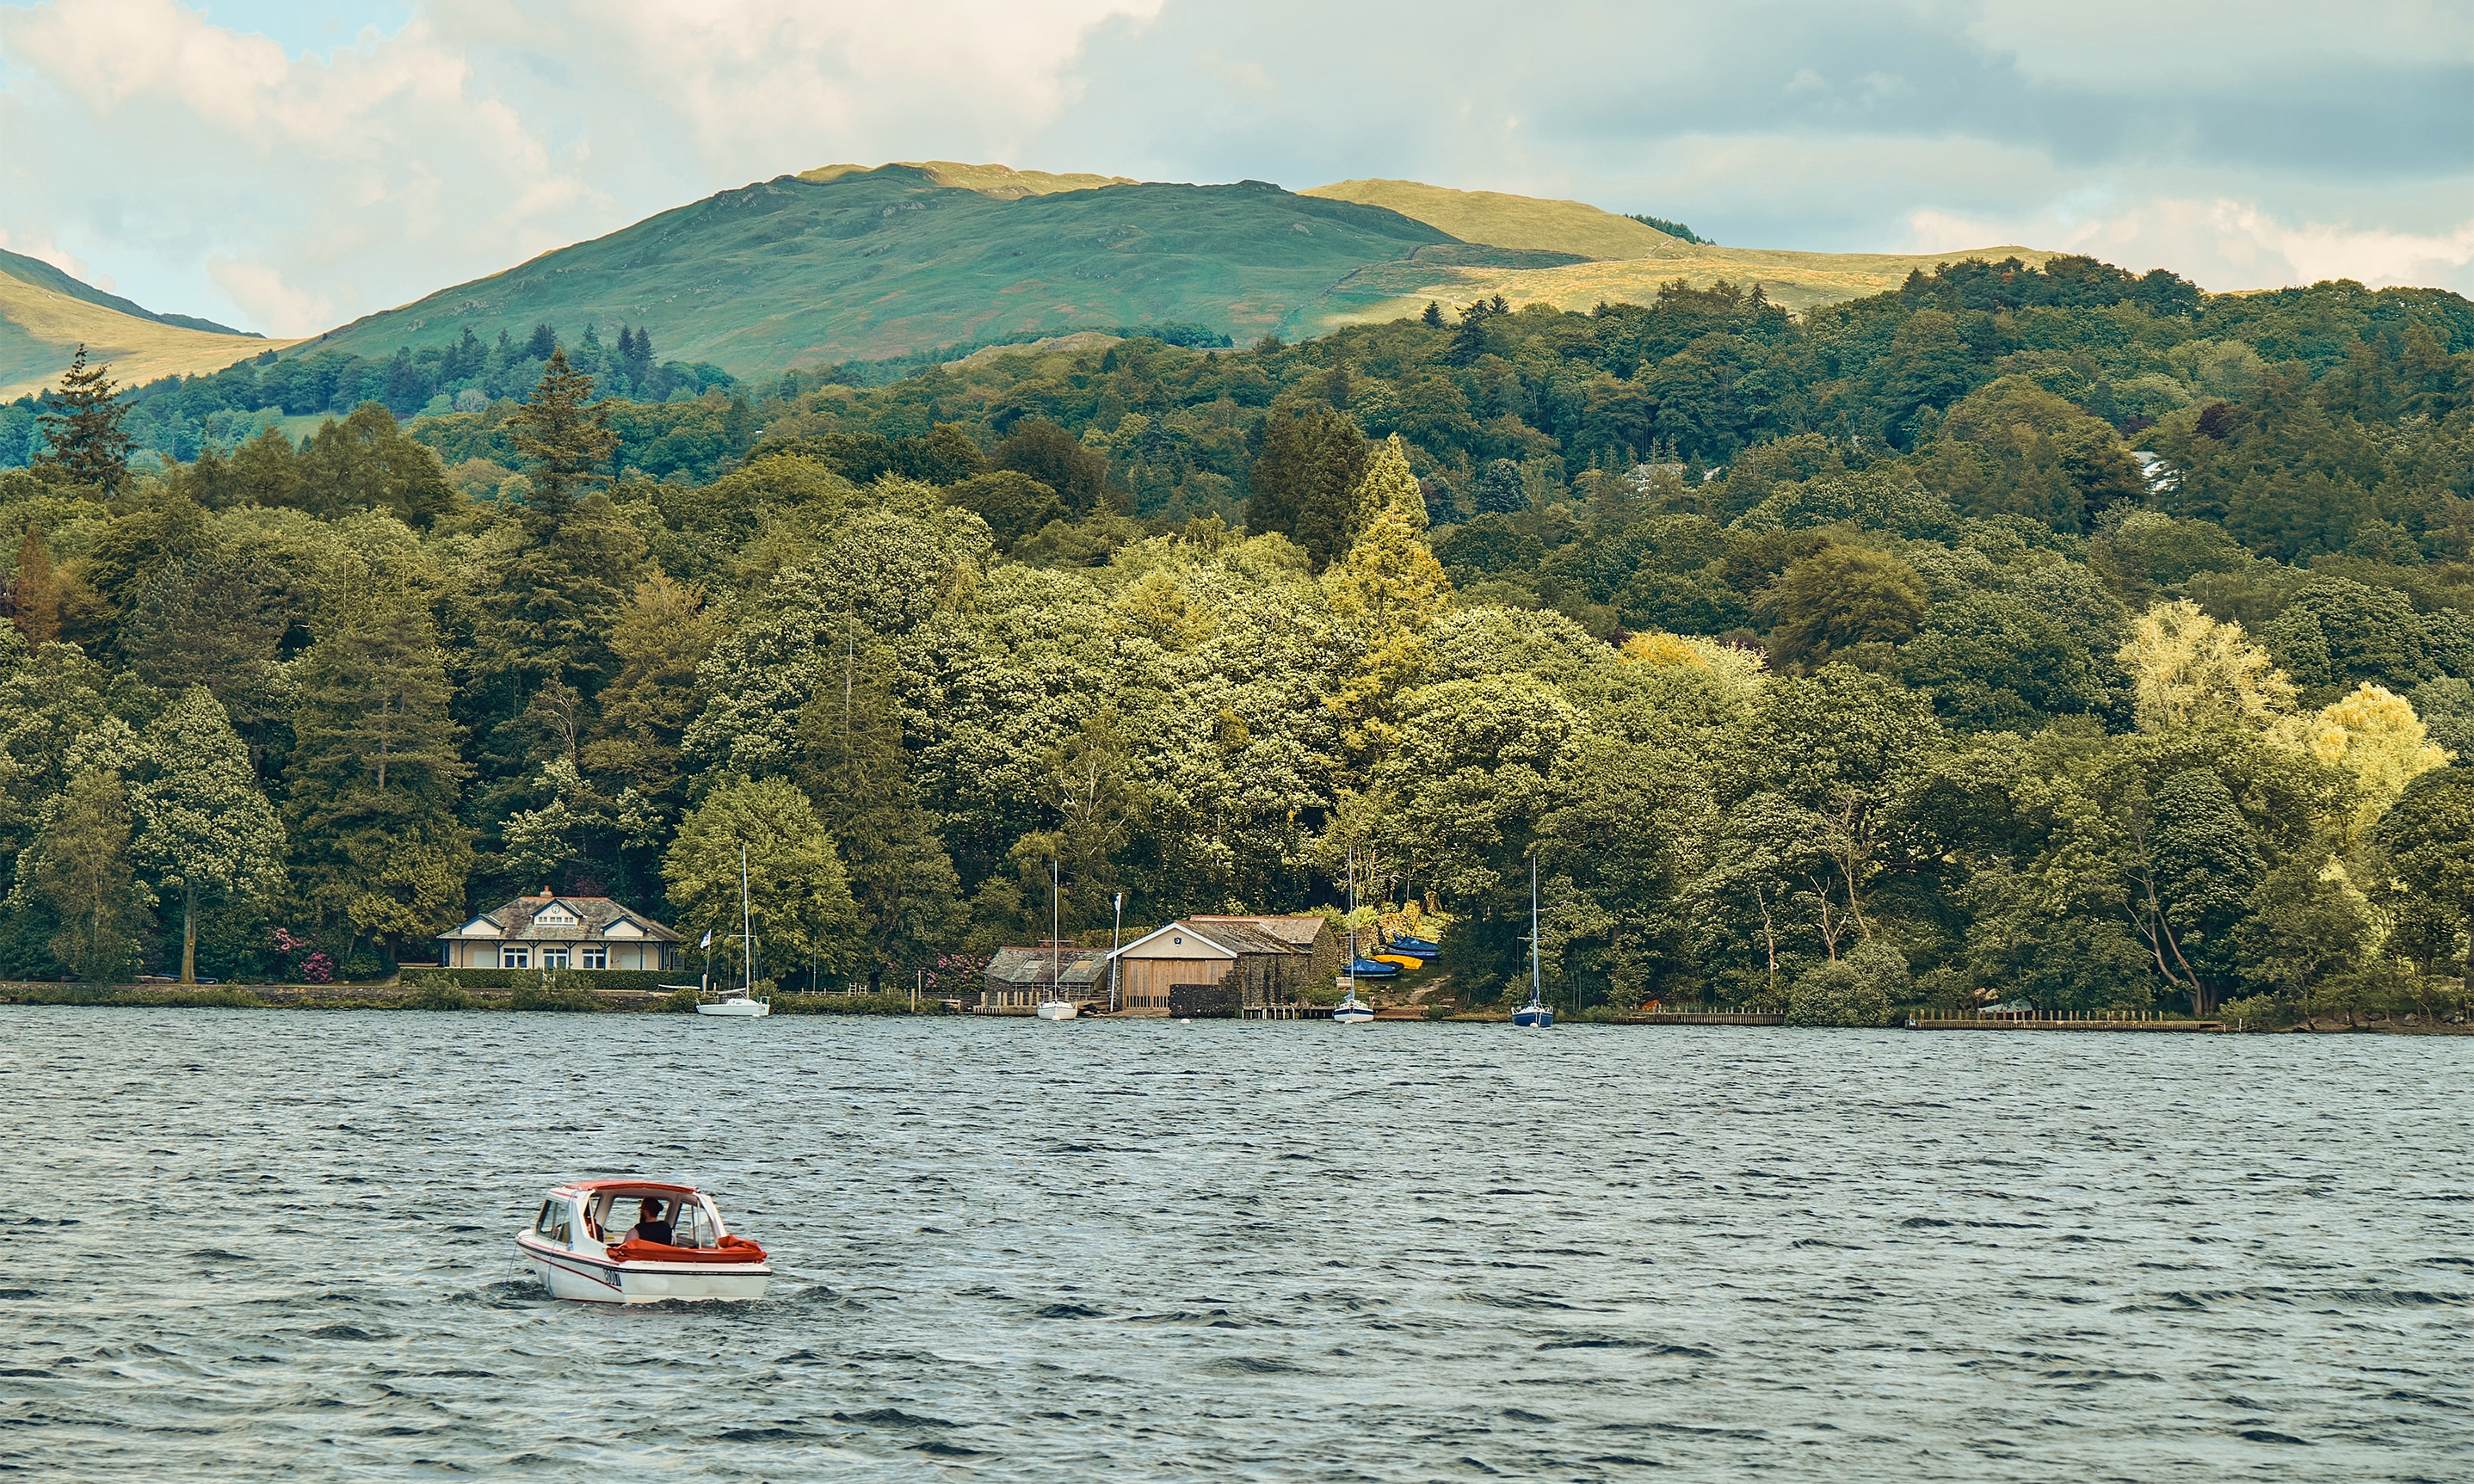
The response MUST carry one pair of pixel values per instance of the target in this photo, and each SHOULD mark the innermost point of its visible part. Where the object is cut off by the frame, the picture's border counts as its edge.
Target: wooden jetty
(2064, 1021)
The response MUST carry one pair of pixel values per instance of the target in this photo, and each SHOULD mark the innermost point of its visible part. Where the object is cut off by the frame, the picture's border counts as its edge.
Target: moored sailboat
(1534, 1015)
(1353, 1011)
(1057, 1007)
(740, 1002)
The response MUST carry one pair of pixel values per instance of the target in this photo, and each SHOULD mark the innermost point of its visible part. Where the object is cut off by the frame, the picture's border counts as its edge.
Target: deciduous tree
(204, 831)
(797, 896)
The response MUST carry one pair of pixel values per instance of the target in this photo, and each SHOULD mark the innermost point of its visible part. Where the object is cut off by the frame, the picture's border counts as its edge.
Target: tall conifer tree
(84, 421)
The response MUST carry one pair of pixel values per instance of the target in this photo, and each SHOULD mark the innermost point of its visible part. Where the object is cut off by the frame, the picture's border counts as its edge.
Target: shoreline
(421, 1000)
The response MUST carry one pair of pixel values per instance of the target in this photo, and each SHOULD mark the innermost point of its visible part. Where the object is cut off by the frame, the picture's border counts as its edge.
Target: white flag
(708, 938)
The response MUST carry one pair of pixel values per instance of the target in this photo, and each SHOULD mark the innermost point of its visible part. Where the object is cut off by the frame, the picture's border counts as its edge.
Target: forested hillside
(2058, 634)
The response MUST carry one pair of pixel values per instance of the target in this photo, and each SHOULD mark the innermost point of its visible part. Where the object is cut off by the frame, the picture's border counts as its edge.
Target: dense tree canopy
(2054, 632)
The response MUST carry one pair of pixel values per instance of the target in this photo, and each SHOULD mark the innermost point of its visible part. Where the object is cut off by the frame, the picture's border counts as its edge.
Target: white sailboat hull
(1057, 1009)
(742, 1008)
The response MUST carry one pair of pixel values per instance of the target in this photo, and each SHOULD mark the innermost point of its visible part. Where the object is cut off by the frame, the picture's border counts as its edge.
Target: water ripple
(245, 1242)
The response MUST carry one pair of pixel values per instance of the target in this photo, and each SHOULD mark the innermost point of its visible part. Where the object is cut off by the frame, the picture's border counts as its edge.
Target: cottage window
(554, 958)
(595, 956)
(513, 957)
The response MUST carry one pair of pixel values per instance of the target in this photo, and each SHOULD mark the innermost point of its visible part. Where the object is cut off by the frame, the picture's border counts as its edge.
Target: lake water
(254, 1243)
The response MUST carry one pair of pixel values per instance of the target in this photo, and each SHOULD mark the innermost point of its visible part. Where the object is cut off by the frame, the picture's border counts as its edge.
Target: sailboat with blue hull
(1534, 1015)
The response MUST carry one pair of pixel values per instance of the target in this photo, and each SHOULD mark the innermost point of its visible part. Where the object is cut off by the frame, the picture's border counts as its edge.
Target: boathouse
(1309, 935)
(1223, 968)
(1019, 980)
(559, 932)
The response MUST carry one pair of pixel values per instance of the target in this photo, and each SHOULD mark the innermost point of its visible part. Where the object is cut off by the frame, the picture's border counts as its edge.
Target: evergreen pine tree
(1389, 486)
(566, 435)
(1305, 481)
(854, 766)
(375, 780)
(84, 421)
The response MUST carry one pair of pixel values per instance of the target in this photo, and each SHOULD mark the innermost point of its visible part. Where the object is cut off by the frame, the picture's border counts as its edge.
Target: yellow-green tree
(1385, 597)
(1389, 485)
(2188, 670)
(2375, 737)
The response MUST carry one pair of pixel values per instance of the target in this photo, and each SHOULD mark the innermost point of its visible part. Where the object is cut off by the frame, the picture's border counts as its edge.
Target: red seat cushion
(731, 1250)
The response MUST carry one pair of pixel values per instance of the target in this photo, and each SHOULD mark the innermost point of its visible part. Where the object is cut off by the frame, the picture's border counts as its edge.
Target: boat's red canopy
(589, 1187)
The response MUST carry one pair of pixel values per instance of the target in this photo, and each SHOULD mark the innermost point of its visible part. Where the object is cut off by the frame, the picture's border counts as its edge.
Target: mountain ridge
(847, 263)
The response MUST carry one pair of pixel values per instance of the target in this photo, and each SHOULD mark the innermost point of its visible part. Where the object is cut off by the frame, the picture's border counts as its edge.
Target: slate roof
(1030, 966)
(1239, 935)
(1297, 932)
(595, 915)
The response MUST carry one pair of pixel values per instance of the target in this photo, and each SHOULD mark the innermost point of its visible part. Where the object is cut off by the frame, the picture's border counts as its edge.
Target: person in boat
(652, 1224)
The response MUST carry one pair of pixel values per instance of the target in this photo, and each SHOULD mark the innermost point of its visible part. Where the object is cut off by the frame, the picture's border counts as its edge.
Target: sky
(285, 167)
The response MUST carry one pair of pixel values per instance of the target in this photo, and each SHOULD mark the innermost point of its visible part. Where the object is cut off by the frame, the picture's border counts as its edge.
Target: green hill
(45, 314)
(872, 263)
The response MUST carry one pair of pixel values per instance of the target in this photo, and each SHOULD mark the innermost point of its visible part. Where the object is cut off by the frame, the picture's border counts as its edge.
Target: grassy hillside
(1626, 261)
(1502, 221)
(1797, 280)
(873, 263)
(45, 314)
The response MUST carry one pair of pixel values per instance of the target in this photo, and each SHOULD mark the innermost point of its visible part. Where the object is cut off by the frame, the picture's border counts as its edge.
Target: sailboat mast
(1055, 949)
(746, 930)
(1352, 920)
(1532, 927)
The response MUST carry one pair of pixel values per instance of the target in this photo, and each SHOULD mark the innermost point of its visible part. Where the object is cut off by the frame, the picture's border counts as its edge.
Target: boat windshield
(655, 1215)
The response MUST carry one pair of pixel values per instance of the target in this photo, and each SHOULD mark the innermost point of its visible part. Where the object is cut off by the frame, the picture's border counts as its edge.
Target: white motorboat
(570, 1245)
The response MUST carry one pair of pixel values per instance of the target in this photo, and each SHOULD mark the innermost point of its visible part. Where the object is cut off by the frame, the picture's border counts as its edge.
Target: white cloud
(216, 172)
(2220, 244)
(50, 252)
(225, 177)
(263, 296)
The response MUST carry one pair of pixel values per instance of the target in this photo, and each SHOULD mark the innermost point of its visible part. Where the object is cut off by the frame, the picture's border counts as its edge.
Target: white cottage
(559, 932)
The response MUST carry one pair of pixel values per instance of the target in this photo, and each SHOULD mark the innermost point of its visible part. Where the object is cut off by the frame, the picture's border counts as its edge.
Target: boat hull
(743, 1009)
(1056, 1010)
(1533, 1017)
(587, 1278)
